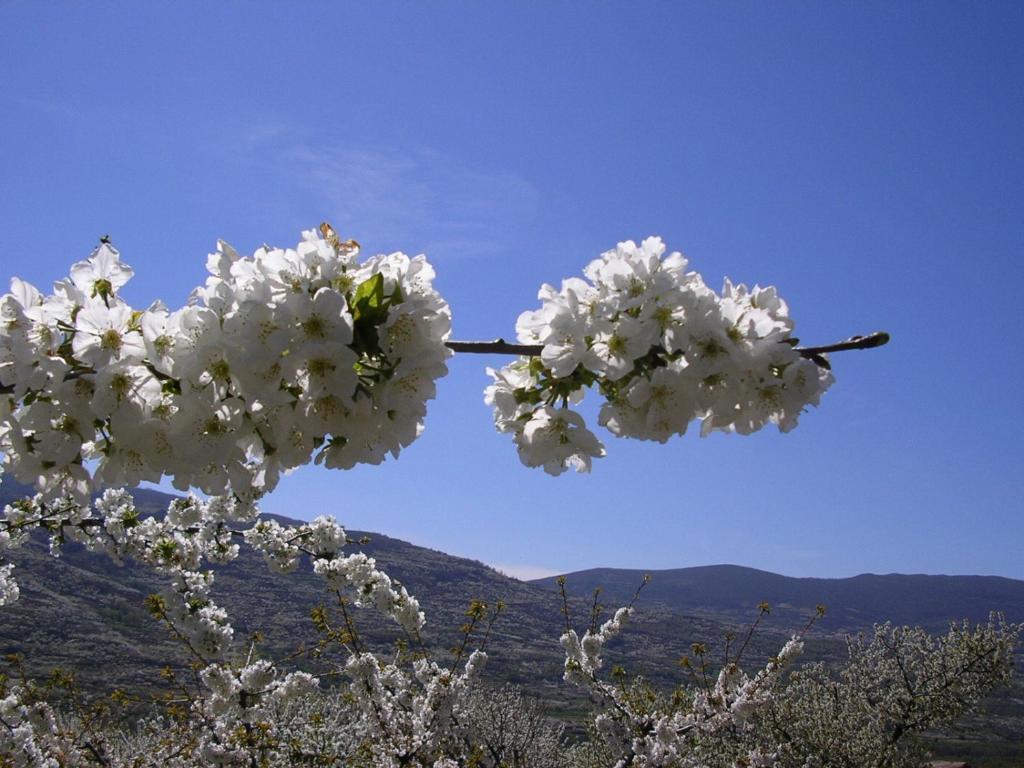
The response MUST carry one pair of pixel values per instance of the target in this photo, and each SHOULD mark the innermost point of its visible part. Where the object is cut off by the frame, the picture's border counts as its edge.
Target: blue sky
(865, 158)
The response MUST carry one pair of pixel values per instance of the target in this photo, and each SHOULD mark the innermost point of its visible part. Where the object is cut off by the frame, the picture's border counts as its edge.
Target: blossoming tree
(309, 353)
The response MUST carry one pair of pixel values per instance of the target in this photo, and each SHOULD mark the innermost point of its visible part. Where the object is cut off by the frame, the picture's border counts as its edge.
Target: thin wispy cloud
(416, 199)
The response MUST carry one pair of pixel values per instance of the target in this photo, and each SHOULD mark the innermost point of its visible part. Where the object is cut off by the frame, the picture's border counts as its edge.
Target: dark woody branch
(502, 347)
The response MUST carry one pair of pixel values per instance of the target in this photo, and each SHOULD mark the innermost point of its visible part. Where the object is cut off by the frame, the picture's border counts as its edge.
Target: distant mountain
(732, 592)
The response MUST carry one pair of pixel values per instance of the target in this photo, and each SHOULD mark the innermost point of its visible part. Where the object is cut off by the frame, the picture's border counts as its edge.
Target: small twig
(643, 583)
(763, 610)
(499, 606)
(699, 649)
(595, 611)
(477, 611)
(870, 341)
(350, 625)
(565, 604)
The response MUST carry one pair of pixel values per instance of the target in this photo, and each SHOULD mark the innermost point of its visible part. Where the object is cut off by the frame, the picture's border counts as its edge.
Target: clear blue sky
(866, 158)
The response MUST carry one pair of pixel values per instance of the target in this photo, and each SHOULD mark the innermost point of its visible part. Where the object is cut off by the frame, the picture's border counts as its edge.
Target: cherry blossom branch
(502, 347)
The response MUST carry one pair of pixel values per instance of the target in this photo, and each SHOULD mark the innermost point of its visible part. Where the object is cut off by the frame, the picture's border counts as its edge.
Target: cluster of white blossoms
(9, 590)
(583, 657)
(662, 348)
(30, 738)
(280, 356)
(412, 718)
(192, 533)
(646, 737)
(196, 531)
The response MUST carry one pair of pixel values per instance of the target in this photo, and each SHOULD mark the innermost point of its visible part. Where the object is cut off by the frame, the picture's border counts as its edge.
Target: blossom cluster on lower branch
(670, 738)
(411, 710)
(195, 532)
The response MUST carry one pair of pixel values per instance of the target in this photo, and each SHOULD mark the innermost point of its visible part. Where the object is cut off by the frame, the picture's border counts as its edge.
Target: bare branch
(870, 341)
(496, 347)
(502, 347)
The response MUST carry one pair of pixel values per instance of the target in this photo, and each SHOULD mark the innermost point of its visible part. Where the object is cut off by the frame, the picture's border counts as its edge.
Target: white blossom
(662, 348)
(557, 439)
(279, 354)
(8, 586)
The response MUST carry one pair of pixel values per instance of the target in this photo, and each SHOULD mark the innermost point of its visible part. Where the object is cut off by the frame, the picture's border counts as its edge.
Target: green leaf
(369, 310)
(527, 396)
(368, 299)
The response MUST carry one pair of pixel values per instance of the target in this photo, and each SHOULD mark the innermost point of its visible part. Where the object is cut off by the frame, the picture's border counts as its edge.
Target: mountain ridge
(773, 573)
(853, 602)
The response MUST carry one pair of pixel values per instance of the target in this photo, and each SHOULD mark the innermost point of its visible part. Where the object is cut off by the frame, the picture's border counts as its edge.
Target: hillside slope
(86, 614)
(83, 612)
